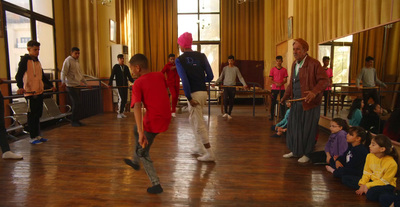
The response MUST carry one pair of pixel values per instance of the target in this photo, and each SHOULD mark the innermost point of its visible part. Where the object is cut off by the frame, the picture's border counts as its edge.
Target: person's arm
(65, 70)
(359, 77)
(110, 81)
(184, 78)
(367, 172)
(128, 74)
(240, 77)
(342, 144)
(137, 110)
(222, 76)
(209, 73)
(47, 82)
(322, 82)
(289, 88)
(22, 67)
(379, 81)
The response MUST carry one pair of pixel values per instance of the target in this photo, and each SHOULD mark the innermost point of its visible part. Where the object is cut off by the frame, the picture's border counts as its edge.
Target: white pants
(196, 117)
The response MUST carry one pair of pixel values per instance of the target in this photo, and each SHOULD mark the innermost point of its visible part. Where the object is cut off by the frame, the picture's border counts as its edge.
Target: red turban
(185, 40)
(302, 42)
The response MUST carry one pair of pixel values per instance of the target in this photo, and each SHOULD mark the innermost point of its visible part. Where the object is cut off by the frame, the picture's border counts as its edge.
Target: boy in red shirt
(278, 75)
(151, 90)
(328, 89)
(172, 81)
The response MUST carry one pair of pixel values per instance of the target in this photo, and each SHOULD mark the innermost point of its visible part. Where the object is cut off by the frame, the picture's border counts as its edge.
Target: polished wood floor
(84, 167)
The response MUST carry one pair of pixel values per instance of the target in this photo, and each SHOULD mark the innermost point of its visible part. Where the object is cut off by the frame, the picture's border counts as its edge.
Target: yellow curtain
(368, 43)
(80, 19)
(242, 30)
(281, 21)
(320, 21)
(160, 31)
(131, 18)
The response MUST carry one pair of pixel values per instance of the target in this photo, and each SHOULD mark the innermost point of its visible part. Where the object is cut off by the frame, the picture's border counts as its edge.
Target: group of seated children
(370, 171)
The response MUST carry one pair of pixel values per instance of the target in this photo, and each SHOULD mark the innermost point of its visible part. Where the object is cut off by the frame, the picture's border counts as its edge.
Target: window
(339, 53)
(26, 20)
(202, 19)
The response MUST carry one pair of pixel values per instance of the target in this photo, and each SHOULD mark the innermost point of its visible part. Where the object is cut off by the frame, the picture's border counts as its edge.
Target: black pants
(370, 93)
(274, 101)
(35, 110)
(326, 100)
(229, 98)
(75, 97)
(3, 133)
(123, 95)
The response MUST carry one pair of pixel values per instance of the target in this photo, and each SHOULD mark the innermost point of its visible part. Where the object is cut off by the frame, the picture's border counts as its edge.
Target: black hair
(120, 56)
(231, 57)
(368, 59)
(355, 105)
(393, 122)
(342, 123)
(279, 58)
(33, 43)
(171, 55)
(75, 49)
(139, 59)
(384, 141)
(370, 108)
(326, 58)
(362, 133)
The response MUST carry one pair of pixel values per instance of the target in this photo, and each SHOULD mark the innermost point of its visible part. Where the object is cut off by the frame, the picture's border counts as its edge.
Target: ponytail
(362, 133)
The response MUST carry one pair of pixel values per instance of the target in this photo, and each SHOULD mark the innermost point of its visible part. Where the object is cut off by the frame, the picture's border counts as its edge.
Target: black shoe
(156, 189)
(275, 135)
(273, 127)
(133, 165)
(272, 118)
(75, 124)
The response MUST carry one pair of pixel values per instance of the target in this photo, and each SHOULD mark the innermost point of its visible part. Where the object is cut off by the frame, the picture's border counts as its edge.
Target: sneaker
(76, 124)
(303, 159)
(119, 116)
(36, 141)
(129, 162)
(229, 116)
(156, 189)
(225, 115)
(42, 139)
(288, 155)
(123, 115)
(11, 156)
(197, 150)
(207, 157)
(173, 114)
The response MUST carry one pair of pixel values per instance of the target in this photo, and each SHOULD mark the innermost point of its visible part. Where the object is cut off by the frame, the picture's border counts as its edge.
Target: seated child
(349, 166)
(280, 128)
(336, 144)
(380, 169)
(355, 114)
(371, 120)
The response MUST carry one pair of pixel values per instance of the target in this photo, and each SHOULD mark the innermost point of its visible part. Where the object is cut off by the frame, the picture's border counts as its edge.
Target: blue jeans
(143, 154)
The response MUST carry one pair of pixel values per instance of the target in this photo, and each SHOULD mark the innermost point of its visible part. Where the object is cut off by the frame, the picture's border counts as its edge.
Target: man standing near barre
(72, 77)
(192, 67)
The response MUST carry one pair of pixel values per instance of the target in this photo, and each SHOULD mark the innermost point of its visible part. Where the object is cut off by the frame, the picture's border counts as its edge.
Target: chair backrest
(52, 107)
(20, 110)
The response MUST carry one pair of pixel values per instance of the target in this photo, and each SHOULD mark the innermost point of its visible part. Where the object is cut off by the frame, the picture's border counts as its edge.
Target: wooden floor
(84, 167)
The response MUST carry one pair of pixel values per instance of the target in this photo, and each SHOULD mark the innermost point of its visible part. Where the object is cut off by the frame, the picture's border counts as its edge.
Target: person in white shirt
(72, 77)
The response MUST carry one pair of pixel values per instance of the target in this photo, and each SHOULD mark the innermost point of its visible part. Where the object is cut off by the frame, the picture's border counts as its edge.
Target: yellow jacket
(379, 171)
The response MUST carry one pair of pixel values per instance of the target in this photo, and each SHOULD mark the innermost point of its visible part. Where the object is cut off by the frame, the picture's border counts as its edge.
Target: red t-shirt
(172, 75)
(278, 75)
(151, 89)
(329, 72)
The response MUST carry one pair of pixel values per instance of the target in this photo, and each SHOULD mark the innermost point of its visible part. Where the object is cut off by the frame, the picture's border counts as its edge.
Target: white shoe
(229, 116)
(119, 116)
(225, 115)
(207, 157)
(303, 159)
(197, 150)
(173, 114)
(11, 156)
(123, 115)
(288, 155)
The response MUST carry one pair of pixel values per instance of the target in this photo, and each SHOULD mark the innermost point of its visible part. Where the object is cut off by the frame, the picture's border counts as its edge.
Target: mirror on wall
(347, 59)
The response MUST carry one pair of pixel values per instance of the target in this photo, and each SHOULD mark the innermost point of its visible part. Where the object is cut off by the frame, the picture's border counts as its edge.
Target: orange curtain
(80, 20)
(160, 31)
(242, 30)
(131, 25)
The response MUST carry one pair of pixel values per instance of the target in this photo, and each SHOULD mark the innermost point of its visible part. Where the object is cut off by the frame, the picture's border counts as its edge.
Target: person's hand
(359, 87)
(54, 89)
(328, 158)
(193, 102)
(246, 87)
(284, 130)
(173, 67)
(213, 85)
(143, 140)
(362, 190)
(338, 164)
(310, 96)
(335, 157)
(20, 91)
